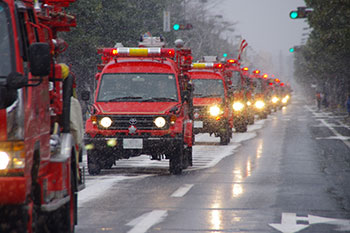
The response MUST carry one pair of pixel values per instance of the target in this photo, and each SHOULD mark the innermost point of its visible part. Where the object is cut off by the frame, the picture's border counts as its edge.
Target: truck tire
(94, 167)
(241, 128)
(187, 161)
(251, 119)
(225, 136)
(176, 158)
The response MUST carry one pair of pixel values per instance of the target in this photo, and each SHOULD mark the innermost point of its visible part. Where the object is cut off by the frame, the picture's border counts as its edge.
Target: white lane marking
(143, 223)
(95, 189)
(289, 222)
(182, 190)
(338, 135)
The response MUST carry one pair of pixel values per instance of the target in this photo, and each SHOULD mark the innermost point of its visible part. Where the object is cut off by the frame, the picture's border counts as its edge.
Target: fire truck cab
(142, 105)
(39, 164)
(211, 101)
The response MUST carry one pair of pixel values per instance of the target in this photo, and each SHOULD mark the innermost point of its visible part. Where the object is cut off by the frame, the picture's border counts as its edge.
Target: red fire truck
(142, 105)
(242, 98)
(211, 101)
(39, 175)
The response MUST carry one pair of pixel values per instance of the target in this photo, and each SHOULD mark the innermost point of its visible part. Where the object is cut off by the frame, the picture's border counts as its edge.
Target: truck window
(236, 79)
(208, 88)
(6, 56)
(258, 85)
(138, 87)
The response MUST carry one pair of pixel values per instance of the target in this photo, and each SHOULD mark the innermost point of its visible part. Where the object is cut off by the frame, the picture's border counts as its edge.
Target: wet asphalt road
(294, 176)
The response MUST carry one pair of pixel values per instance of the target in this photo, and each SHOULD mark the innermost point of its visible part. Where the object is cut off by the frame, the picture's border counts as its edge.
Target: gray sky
(265, 24)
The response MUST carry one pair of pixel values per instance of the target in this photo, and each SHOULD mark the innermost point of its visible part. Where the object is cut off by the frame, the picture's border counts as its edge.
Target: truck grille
(140, 122)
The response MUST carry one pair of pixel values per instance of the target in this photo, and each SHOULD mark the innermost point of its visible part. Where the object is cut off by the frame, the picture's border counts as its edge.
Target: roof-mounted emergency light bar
(206, 65)
(137, 52)
(232, 61)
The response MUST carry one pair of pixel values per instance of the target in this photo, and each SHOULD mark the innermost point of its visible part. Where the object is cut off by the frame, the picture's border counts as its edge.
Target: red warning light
(256, 71)
(265, 76)
(245, 68)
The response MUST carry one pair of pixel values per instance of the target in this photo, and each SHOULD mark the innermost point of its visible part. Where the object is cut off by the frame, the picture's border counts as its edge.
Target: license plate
(198, 124)
(132, 143)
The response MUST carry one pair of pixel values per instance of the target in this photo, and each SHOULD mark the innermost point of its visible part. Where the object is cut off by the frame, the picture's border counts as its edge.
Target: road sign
(166, 21)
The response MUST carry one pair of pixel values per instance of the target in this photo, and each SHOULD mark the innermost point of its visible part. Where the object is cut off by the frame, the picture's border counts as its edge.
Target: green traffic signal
(291, 50)
(294, 14)
(176, 27)
(224, 55)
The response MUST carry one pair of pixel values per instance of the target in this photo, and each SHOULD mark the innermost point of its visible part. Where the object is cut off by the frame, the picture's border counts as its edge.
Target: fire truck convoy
(211, 101)
(142, 105)
(39, 167)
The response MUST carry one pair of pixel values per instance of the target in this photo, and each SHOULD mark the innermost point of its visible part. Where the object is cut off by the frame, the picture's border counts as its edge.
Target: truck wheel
(263, 115)
(225, 136)
(107, 162)
(176, 159)
(251, 120)
(94, 167)
(241, 128)
(187, 161)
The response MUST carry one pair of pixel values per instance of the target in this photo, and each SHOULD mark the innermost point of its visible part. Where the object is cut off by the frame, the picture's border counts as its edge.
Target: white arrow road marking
(146, 221)
(315, 220)
(289, 224)
(182, 190)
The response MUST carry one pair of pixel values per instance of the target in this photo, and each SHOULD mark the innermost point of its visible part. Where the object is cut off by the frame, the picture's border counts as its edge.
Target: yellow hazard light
(142, 52)
(206, 65)
(137, 52)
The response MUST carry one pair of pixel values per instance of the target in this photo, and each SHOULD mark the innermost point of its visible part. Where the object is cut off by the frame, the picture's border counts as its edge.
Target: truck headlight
(274, 99)
(214, 110)
(160, 122)
(106, 122)
(238, 106)
(249, 103)
(4, 160)
(12, 155)
(259, 104)
(285, 100)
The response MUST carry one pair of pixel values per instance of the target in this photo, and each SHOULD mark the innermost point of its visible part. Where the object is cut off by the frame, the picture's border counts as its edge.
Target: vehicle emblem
(133, 121)
(132, 129)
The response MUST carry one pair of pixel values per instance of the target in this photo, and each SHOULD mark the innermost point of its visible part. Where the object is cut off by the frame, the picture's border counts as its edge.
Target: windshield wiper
(213, 95)
(155, 99)
(125, 98)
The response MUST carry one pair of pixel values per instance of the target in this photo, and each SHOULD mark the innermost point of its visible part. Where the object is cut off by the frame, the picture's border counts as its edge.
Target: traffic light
(301, 12)
(224, 55)
(295, 49)
(178, 27)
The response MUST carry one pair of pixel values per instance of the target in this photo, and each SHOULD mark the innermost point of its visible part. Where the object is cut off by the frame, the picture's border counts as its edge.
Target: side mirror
(40, 59)
(85, 95)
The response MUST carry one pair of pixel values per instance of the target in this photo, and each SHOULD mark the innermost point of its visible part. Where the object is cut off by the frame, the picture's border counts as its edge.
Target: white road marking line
(143, 223)
(182, 190)
(338, 135)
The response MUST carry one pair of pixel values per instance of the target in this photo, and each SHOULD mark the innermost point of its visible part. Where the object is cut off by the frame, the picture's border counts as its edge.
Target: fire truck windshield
(5, 49)
(208, 88)
(138, 87)
(236, 79)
